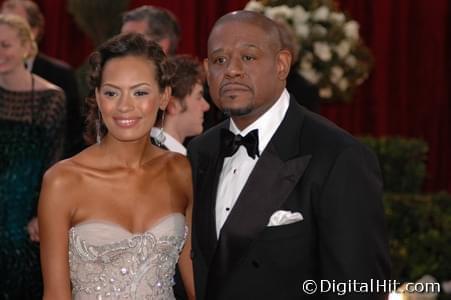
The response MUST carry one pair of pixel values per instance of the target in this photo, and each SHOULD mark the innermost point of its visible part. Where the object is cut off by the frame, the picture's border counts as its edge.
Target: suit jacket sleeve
(352, 232)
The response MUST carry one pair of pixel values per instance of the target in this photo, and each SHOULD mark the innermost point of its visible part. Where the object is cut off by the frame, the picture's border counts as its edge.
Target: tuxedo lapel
(272, 180)
(209, 169)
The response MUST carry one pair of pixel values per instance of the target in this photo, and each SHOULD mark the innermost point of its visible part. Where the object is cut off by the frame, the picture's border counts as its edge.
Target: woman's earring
(98, 134)
(160, 138)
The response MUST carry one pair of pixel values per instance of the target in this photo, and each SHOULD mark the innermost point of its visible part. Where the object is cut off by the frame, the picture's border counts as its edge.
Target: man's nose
(234, 67)
(205, 105)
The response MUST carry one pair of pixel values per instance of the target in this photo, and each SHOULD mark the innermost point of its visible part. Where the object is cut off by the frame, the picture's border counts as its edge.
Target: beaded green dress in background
(31, 135)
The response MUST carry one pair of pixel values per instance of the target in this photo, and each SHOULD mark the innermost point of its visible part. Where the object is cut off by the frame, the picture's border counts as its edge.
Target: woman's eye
(141, 93)
(109, 93)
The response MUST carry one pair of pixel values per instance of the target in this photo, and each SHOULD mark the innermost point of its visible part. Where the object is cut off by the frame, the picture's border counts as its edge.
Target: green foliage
(402, 162)
(419, 229)
(99, 19)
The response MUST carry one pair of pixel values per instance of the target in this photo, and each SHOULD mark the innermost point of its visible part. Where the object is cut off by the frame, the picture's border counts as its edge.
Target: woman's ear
(165, 98)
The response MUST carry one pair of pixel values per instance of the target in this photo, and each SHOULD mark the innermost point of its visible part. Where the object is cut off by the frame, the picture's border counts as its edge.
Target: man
(158, 24)
(55, 71)
(184, 114)
(281, 194)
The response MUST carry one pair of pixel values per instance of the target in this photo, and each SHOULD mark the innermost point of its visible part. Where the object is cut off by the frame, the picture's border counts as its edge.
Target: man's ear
(165, 44)
(174, 107)
(205, 62)
(283, 64)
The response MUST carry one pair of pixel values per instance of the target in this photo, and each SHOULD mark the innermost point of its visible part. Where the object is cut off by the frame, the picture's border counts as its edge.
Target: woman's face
(129, 97)
(12, 50)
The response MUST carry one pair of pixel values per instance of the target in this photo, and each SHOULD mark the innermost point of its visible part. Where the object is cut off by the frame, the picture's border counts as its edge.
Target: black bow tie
(230, 143)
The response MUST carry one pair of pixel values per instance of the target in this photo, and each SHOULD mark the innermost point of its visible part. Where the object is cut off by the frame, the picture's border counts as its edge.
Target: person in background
(32, 123)
(184, 114)
(125, 217)
(53, 70)
(157, 24)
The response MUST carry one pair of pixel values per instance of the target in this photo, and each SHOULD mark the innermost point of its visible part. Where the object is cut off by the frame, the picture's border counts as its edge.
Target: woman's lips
(126, 122)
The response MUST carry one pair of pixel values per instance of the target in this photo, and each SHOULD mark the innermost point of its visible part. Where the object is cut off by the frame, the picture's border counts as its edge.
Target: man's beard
(237, 112)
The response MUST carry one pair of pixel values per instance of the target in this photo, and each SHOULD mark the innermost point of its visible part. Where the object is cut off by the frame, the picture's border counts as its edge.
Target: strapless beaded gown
(108, 262)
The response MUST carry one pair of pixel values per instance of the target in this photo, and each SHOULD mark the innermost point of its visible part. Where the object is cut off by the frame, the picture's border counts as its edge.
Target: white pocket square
(284, 217)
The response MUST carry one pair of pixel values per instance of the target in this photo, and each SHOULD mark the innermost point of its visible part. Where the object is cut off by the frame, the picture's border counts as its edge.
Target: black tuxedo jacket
(309, 166)
(61, 74)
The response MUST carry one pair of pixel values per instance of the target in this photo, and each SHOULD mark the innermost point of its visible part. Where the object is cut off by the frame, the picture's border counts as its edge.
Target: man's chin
(237, 112)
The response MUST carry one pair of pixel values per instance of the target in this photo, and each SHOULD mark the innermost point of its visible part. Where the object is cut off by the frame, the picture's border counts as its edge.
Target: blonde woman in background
(31, 135)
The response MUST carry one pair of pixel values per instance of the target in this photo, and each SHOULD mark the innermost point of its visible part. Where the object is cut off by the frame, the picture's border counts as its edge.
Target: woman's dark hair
(130, 44)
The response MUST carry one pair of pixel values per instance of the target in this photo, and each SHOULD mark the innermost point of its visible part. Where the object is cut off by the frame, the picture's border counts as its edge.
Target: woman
(31, 135)
(112, 218)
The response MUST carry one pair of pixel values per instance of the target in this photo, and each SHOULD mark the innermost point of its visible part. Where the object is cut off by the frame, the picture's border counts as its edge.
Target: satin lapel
(204, 218)
(273, 179)
(204, 223)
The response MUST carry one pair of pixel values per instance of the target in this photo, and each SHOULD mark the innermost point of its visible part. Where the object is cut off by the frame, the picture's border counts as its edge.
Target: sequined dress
(31, 139)
(108, 262)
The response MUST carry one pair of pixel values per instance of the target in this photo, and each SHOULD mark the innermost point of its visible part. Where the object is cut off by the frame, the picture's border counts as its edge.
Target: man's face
(191, 117)
(143, 28)
(246, 70)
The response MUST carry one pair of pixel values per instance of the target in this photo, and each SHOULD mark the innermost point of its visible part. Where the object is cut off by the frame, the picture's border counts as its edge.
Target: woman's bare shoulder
(178, 163)
(69, 171)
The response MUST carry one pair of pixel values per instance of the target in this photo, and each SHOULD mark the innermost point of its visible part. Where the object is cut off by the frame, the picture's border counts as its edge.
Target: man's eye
(141, 93)
(248, 58)
(219, 60)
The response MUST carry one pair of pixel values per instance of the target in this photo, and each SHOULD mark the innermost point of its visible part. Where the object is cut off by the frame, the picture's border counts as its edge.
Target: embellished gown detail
(31, 139)
(108, 262)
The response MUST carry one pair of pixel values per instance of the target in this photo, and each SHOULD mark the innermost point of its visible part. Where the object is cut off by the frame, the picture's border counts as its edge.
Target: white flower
(337, 17)
(279, 12)
(336, 73)
(351, 30)
(306, 62)
(321, 14)
(300, 15)
(343, 84)
(303, 30)
(351, 61)
(319, 30)
(322, 50)
(254, 6)
(343, 48)
(325, 92)
(310, 75)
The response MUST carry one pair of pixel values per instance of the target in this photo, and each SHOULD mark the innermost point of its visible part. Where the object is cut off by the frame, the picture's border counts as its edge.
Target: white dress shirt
(169, 142)
(237, 168)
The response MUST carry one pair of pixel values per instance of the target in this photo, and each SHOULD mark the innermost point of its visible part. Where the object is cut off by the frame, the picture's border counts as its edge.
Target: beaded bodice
(108, 262)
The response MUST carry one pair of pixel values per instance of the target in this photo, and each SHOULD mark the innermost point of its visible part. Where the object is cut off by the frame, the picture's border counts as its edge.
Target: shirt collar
(171, 143)
(267, 123)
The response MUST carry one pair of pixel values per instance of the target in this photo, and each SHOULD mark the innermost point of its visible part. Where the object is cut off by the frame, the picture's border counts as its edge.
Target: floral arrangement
(331, 56)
